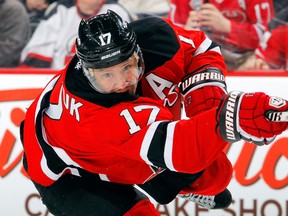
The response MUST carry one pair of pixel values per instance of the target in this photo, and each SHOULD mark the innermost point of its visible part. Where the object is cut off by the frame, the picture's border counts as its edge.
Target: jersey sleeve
(180, 146)
(139, 139)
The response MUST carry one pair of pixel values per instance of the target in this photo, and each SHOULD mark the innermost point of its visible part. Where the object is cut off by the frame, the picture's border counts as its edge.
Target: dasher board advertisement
(260, 180)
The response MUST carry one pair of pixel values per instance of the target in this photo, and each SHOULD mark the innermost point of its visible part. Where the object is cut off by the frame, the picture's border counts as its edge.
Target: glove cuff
(228, 116)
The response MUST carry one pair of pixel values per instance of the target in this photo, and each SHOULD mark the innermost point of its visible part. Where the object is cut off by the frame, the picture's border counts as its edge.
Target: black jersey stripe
(156, 148)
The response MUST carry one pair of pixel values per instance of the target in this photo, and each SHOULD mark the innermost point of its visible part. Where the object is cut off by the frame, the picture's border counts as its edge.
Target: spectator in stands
(37, 4)
(14, 32)
(274, 55)
(238, 26)
(53, 43)
(36, 10)
(140, 9)
(273, 52)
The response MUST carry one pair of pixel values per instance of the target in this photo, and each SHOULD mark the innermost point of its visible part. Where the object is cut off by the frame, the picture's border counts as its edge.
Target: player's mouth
(129, 89)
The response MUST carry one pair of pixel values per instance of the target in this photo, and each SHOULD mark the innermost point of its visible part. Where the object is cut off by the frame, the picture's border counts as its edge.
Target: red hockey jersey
(249, 20)
(71, 128)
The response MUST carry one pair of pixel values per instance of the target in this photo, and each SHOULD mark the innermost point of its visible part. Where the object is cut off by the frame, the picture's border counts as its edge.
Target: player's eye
(107, 75)
(127, 67)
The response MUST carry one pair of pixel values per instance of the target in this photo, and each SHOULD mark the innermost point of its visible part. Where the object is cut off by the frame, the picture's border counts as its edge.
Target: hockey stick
(277, 116)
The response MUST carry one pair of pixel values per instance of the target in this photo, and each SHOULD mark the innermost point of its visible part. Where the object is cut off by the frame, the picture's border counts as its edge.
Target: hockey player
(103, 124)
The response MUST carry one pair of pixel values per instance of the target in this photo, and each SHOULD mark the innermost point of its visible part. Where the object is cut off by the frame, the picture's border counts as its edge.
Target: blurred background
(37, 39)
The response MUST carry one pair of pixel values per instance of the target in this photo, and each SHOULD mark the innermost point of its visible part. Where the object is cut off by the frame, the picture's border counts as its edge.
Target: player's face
(89, 6)
(120, 78)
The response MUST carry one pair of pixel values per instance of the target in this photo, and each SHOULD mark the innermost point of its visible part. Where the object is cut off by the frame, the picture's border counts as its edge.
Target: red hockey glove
(255, 117)
(203, 90)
